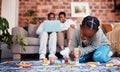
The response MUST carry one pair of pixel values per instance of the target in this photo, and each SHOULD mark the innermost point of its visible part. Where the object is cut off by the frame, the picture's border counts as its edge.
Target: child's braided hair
(91, 22)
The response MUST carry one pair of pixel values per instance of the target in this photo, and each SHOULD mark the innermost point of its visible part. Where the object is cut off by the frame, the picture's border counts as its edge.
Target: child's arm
(97, 40)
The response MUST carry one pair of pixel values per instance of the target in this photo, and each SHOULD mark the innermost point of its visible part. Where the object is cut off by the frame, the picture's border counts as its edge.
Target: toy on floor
(118, 65)
(13, 62)
(45, 62)
(114, 61)
(53, 60)
(92, 64)
(77, 55)
(57, 62)
(66, 60)
(69, 66)
(9, 62)
(109, 65)
(23, 64)
(65, 66)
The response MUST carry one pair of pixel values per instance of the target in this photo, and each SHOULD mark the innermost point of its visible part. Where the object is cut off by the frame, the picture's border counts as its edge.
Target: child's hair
(91, 22)
(49, 14)
(62, 13)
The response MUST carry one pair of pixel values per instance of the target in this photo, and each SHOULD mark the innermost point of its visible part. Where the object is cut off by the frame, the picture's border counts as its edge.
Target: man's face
(62, 18)
(52, 17)
(86, 33)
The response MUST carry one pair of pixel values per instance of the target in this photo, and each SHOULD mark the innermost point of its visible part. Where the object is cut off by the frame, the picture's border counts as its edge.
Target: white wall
(9, 10)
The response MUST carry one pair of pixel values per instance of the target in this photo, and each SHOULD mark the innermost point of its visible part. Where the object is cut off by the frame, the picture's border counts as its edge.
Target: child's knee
(101, 54)
(100, 58)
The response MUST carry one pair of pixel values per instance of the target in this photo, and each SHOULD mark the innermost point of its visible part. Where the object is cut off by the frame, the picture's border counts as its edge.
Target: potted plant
(5, 37)
(29, 17)
(30, 13)
(20, 40)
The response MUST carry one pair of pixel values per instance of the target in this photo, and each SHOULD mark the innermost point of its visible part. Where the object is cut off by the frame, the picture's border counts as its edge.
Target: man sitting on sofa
(44, 36)
(67, 28)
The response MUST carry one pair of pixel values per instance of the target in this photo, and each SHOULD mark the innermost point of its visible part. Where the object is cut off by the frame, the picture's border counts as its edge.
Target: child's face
(86, 33)
(62, 18)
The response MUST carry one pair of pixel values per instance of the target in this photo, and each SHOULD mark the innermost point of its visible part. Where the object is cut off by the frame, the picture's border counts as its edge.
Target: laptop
(51, 26)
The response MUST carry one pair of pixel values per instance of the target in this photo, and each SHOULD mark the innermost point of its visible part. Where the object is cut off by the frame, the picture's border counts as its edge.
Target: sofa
(114, 38)
(32, 38)
(112, 32)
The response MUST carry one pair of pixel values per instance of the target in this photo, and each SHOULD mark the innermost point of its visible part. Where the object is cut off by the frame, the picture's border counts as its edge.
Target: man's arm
(40, 29)
(72, 24)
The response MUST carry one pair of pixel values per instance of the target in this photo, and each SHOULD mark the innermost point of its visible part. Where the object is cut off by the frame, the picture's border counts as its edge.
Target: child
(91, 41)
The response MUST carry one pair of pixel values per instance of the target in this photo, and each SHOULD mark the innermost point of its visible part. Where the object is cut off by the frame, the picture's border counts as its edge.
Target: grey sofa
(33, 41)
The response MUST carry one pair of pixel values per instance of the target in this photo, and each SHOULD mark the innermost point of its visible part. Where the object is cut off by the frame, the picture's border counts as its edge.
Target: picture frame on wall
(80, 9)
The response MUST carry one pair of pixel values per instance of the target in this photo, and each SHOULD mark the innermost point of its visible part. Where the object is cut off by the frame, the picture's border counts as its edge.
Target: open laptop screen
(51, 26)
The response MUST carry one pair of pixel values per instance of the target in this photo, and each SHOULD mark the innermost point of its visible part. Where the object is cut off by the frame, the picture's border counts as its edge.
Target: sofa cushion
(33, 41)
(107, 27)
(32, 30)
(116, 26)
(114, 38)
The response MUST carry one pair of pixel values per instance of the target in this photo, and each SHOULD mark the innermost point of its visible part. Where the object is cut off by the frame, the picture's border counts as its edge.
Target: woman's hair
(62, 13)
(91, 22)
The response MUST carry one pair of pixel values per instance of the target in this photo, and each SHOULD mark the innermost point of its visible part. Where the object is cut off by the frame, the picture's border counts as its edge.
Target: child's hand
(64, 31)
(72, 56)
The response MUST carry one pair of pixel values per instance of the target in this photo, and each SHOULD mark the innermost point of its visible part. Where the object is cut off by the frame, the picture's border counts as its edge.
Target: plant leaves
(4, 25)
(25, 41)
(5, 36)
(18, 38)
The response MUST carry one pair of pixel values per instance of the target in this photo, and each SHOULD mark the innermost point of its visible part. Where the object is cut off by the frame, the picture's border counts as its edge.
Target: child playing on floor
(91, 41)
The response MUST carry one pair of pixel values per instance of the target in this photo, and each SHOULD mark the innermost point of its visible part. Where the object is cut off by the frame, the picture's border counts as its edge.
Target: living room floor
(25, 57)
(28, 57)
(35, 57)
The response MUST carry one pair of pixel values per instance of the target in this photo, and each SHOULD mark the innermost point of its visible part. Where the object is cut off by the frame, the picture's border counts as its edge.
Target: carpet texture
(38, 67)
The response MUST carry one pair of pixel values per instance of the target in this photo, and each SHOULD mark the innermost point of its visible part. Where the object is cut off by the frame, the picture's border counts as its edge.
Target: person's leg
(86, 58)
(52, 43)
(60, 37)
(43, 44)
(69, 36)
(101, 54)
(65, 52)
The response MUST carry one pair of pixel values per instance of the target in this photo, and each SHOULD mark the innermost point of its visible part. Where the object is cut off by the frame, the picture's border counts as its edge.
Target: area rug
(37, 67)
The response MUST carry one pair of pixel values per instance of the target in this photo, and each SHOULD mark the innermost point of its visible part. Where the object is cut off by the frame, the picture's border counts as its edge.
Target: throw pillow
(116, 26)
(32, 30)
(107, 27)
